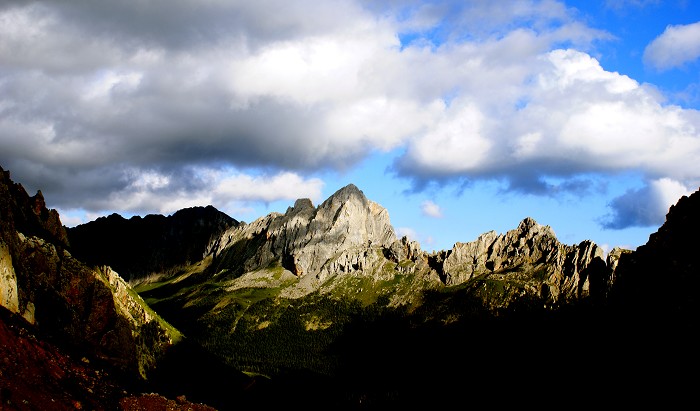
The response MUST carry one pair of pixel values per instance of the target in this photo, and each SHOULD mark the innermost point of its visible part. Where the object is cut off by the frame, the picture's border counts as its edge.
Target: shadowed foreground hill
(661, 278)
(74, 336)
(154, 244)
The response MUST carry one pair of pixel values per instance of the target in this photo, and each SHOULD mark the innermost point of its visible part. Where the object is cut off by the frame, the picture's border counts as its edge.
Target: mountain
(152, 245)
(326, 293)
(324, 307)
(349, 239)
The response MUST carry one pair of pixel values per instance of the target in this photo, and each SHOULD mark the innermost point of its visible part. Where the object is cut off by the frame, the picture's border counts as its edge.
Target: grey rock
(342, 235)
(530, 253)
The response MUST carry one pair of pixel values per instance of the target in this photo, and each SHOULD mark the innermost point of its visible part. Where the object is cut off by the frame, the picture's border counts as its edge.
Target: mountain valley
(325, 307)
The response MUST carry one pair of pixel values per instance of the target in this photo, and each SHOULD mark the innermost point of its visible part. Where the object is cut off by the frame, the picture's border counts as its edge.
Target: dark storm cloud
(183, 24)
(96, 91)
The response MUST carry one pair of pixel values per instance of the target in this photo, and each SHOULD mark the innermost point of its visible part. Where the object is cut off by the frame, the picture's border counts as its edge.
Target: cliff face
(76, 306)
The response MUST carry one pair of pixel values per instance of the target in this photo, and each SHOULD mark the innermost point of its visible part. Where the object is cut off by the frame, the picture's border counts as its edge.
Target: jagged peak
(346, 193)
(528, 221)
(303, 203)
(528, 224)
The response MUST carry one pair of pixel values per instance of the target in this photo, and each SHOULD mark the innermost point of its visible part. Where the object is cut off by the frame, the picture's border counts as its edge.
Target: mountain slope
(76, 336)
(662, 276)
(85, 308)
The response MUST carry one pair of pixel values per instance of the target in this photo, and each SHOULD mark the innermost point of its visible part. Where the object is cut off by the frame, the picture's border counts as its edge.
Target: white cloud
(431, 209)
(565, 116)
(676, 46)
(115, 104)
(154, 191)
(283, 186)
(456, 143)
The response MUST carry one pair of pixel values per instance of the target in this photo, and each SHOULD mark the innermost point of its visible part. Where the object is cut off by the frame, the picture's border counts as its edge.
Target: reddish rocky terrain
(37, 375)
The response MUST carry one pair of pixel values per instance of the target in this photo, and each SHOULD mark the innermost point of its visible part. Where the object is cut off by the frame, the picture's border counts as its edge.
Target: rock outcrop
(531, 251)
(76, 306)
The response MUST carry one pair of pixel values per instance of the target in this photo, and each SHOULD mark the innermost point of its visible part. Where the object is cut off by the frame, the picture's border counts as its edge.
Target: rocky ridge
(349, 235)
(83, 308)
(567, 272)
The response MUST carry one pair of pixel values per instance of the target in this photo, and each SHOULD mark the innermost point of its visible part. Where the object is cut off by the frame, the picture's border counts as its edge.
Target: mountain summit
(312, 243)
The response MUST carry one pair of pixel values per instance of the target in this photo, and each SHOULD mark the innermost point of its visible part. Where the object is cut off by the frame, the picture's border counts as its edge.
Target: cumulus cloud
(267, 188)
(676, 46)
(122, 104)
(646, 206)
(430, 209)
(156, 191)
(567, 118)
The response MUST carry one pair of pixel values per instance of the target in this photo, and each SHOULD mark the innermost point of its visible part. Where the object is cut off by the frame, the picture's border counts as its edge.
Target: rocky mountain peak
(362, 220)
(303, 203)
(530, 227)
(309, 241)
(30, 215)
(346, 193)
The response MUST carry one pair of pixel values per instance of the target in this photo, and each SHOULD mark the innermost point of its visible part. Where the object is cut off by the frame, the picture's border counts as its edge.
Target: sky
(458, 117)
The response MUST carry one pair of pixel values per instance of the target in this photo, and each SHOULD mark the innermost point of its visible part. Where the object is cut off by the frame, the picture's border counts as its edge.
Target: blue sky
(459, 117)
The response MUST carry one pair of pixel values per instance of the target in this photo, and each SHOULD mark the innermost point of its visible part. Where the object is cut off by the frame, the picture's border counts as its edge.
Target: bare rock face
(534, 249)
(9, 297)
(342, 235)
(76, 306)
